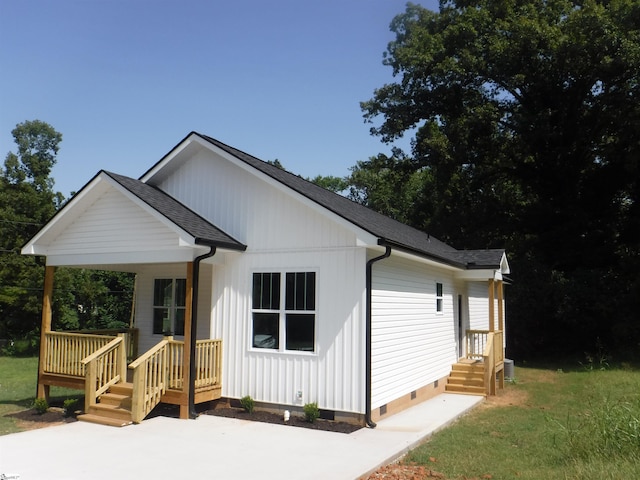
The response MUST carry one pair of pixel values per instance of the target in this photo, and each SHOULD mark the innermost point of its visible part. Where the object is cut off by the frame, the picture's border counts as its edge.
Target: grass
(18, 381)
(550, 424)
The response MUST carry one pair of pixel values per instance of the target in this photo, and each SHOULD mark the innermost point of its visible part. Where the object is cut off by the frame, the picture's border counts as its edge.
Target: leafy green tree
(526, 115)
(27, 201)
(330, 182)
(82, 299)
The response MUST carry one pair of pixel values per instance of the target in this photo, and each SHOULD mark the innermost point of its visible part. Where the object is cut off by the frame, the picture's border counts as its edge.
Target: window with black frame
(169, 306)
(289, 323)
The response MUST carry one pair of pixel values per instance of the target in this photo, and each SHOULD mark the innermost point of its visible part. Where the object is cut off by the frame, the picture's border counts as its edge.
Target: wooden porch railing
(476, 343)
(208, 363)
(130, 337)
(489, 347)
(65, 351)
(150, 380)
(105, 367)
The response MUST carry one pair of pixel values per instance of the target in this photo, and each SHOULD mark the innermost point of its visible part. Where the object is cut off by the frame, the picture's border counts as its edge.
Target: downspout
(370, 423)
(194, 325)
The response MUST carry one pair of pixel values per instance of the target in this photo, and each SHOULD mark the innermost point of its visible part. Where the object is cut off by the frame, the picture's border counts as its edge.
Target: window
(169, 305)
(290, 323)
(439, 298)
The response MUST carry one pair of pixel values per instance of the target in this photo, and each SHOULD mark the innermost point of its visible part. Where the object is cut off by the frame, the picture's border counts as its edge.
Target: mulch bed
(275, 418)
(30, 419)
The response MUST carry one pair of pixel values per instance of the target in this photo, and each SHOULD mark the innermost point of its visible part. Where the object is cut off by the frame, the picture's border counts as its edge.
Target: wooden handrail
(148, 354)
(150, 373)
(104, 367)
(488, 358)
(113, 343)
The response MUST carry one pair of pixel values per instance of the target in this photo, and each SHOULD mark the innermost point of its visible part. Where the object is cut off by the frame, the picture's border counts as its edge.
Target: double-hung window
(169, 305)
(284, 311)
(439, 298)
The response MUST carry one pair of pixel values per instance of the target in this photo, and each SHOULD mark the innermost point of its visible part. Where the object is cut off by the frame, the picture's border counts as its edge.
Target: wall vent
(413, 395)
(383, 410)
(435, 384)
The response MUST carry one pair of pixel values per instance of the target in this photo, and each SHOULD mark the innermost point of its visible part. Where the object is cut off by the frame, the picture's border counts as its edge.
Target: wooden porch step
(117, 400)
(110, 411)
(122, 388)
(466, 377)
(100, 420)
(475, 381)
(465, 390)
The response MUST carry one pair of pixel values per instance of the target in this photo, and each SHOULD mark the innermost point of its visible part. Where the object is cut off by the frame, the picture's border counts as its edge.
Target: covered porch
(120, 224)
(481, 370)
(120, 386)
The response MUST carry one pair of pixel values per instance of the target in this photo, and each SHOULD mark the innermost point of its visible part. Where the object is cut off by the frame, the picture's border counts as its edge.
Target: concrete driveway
(220, 448)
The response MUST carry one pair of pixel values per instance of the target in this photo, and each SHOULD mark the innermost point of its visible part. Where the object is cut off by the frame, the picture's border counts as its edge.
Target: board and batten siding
(144, 300)
(250, 209)
(283, 233)
(412, 344)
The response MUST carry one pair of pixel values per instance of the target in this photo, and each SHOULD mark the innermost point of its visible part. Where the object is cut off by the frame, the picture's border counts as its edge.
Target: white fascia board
(418, 259)
(478, 275)
(173, 154)
(63, 217)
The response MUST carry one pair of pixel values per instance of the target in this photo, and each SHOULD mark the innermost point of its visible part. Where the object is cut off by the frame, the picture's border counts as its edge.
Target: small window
(439, 298)
(169, 306)
(289, 321)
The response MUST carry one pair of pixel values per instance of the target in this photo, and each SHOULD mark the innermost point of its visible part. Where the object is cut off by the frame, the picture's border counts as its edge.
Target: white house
(310, 296)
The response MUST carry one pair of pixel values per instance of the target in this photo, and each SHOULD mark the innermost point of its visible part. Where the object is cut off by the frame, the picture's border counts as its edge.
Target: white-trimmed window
(284, 311)
(439, 298)
(169, 305)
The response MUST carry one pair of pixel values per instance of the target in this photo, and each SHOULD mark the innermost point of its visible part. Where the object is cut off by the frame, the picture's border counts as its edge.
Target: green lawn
(18, 381)
(547, 424)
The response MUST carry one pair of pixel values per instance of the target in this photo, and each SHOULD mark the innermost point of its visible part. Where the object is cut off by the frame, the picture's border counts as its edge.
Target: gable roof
(185, 218)
(389, 232)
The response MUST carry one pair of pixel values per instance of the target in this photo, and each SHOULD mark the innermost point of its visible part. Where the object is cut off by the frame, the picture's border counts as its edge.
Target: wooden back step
(466, 377)
(113, 408)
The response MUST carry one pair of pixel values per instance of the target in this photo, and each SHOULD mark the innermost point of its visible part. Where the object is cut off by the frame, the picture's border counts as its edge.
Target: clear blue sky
(125, 80)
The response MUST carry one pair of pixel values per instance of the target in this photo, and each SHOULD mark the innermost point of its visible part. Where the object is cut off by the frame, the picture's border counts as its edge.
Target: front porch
(119, 393)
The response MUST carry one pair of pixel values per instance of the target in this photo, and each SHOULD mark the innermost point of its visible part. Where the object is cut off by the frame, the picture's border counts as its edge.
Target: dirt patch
(397, 471)
(505, 398)
(294, 420)
(30, 419)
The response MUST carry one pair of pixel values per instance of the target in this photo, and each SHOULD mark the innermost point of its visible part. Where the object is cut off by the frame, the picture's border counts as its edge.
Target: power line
(16, 222)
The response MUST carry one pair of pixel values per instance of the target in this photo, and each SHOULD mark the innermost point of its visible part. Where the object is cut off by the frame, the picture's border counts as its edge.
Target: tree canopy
(82, 299)
(526, 116)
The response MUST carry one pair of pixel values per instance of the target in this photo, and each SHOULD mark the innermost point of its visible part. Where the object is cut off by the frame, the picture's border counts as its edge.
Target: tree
(526, 115)
(27, 201)
(82, 299)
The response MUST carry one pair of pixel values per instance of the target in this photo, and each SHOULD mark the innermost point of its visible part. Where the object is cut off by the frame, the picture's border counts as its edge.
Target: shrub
(247, 403)
(311, 412)
(69, 406)
(41, 406)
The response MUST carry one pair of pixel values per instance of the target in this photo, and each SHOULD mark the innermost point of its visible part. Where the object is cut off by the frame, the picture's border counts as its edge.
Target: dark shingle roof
(176, 212)
(389, 232)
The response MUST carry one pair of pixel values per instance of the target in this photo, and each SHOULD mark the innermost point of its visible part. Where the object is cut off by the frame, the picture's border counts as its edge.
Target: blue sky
(125, 80)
